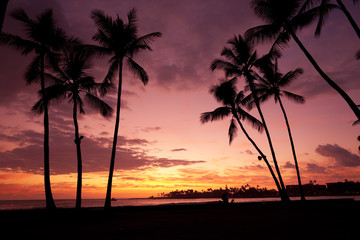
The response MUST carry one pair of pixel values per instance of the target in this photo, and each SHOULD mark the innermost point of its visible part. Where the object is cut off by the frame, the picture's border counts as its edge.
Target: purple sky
(160, 134)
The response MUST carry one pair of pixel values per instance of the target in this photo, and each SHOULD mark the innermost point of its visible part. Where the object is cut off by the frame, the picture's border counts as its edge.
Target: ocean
(70, 203)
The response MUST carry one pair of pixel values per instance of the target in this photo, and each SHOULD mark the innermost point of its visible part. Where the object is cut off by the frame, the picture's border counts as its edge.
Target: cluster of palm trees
(60, 65)
(283, 18)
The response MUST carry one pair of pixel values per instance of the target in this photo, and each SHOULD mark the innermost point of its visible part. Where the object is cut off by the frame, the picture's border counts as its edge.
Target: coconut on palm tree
(120, 40)
(239, 58)
(73, 82)
(226, 94)
(271, 84)
(283, 18)
(43, 38)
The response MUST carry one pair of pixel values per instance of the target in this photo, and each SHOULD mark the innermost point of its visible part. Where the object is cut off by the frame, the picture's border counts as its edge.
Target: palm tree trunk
(113, 152)
(50, 204)
(342, 93)
(293, 150)
(79, 160)
(283, 193)
(349, 17)
(259, 151)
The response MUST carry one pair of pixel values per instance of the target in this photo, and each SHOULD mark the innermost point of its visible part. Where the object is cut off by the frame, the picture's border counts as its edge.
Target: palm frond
(23, 45)
(32, 73)
(218, 114)
(98, 104)
(264, 33)
(20, 15)
(39, 107)
(114, 67)
(147, 39)
(103, 22)
(294, 97)
(289, 77)
(138, 70)
(232, 130)
(254, 122)
(132, 21)
(229, 68)
(323, 11)
(225, 92)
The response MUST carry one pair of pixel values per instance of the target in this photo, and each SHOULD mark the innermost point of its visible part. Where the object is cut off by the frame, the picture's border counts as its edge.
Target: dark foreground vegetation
(346, 188)
(325, 219)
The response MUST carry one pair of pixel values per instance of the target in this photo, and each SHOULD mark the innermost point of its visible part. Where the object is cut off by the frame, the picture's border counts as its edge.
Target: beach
(315, 219)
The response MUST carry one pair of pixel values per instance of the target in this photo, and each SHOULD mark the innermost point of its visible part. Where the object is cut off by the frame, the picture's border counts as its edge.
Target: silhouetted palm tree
(283, 19)
(72, 82)
(3, 5)
(238, 60)
(120, 40)
(271, 84)
(43, 37)
(231, 100)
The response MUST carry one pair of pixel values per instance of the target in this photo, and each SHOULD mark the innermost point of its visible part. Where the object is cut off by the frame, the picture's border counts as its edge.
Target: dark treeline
(346, 188)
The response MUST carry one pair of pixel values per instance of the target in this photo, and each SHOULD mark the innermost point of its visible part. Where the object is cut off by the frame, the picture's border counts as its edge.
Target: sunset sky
(162, 144)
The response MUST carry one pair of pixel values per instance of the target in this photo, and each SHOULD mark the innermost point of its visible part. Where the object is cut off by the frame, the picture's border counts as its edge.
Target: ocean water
(70, 203)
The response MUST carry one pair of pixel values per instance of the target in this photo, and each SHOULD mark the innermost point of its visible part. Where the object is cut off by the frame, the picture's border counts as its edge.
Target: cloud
(178, 149)
(288, 164)
(313, 167)
(249, 152)
(340, 155)
(28, 157)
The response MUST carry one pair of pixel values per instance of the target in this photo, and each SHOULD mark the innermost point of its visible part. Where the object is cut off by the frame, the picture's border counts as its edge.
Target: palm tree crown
(272, 82)
(120, 40)
(231, 100)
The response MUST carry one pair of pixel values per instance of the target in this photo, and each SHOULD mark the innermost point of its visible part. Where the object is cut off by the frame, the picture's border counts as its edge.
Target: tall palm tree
(226, 93)
(72, 82)
(238, 60)
(43, 37)
(121, 41)
(284, 18)
(271, 84)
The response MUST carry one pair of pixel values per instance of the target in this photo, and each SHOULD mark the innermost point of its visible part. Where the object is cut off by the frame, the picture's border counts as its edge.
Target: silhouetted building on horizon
(344, 188)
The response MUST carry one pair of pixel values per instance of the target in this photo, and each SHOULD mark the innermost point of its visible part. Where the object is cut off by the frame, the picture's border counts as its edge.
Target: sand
(318, 219)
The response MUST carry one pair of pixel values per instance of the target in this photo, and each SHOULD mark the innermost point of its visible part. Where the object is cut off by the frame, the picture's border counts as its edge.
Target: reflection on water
(70, 203)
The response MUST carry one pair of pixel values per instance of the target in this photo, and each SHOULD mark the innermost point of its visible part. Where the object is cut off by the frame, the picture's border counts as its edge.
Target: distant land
(346, 188)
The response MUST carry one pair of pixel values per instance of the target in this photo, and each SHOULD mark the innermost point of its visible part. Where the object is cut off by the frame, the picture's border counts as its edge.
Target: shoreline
(313, 219)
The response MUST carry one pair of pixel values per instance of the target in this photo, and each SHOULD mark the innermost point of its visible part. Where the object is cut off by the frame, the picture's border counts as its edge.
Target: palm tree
(271, 84)
(238, 60)
(3, 5)
(72, 81)
(283, 19)
(119, 40)
(43, 37)
(226, 94)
